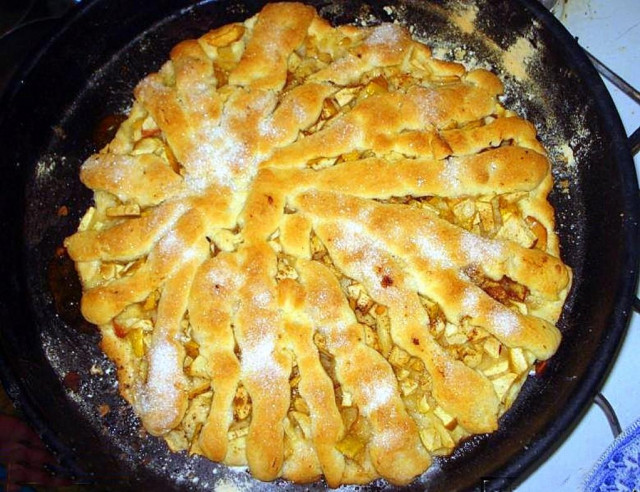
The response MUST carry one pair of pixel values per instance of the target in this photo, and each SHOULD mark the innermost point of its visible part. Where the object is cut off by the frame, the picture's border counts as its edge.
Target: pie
(319, 251)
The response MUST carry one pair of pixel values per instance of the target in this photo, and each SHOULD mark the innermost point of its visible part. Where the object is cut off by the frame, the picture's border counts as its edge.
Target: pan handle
(610, 413)
(634, 144)
(624, 86)
(614, 78)
(634, 141)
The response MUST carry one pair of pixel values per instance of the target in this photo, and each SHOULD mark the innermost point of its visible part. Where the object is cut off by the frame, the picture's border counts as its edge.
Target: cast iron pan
(63, 106)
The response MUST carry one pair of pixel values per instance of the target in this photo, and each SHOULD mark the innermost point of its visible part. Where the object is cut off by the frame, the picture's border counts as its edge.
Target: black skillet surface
(67, 100)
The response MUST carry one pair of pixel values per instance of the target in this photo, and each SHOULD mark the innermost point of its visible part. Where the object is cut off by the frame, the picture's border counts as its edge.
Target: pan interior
(65, 383)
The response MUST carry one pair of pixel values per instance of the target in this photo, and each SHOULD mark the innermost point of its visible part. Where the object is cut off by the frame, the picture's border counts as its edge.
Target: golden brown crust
(280, 29)
(319, 251)
(210, 316)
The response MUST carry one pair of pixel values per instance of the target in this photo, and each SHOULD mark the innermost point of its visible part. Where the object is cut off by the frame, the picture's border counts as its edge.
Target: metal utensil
(605, 71)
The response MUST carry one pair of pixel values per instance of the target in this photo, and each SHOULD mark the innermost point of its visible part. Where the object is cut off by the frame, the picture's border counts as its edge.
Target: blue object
(619, 467)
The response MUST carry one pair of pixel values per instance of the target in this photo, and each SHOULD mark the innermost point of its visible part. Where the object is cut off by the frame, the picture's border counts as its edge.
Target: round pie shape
(319, 251)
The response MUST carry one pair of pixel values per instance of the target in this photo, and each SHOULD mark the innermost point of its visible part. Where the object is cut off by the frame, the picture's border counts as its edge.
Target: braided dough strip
(395, 450)
(361, 127)
(439, 247)
(450, 245)
(265, 365)
(462, 392)
(227, 130)
(127, 240)
(279, 30)
(316, 388)
(483, 174)
(161, 400)
(145, 178)
(211, 315)
(466, 141)
(100, 304)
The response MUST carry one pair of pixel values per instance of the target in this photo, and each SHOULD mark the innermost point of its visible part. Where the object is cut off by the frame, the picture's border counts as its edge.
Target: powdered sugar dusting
(351, 238)
(162, 389)
(338, 337)
(225, 151)
(226, 485)
(258, 358)
(171, 244)
(428, 104)
(263, 298)
(470, 301)
(478, 249)
(226, 278)
(219, 158)
(163, 367)
(452, 173)
(299, 111)
(432, 249)
(376, 394)
(367, 260)
(388, 439)
(267, 129)
(385, 34)
(505, 322)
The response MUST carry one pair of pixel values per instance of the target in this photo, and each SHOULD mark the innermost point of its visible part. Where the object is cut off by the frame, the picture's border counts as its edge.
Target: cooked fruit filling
(319, 251)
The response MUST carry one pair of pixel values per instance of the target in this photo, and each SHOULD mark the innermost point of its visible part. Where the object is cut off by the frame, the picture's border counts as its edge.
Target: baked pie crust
(319, 251)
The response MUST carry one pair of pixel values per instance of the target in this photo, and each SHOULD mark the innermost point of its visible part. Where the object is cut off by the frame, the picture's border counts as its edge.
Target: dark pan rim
(595, 377)
(592, 380)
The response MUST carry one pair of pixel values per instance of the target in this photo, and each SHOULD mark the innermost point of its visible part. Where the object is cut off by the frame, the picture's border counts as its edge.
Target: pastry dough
(319, 251)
